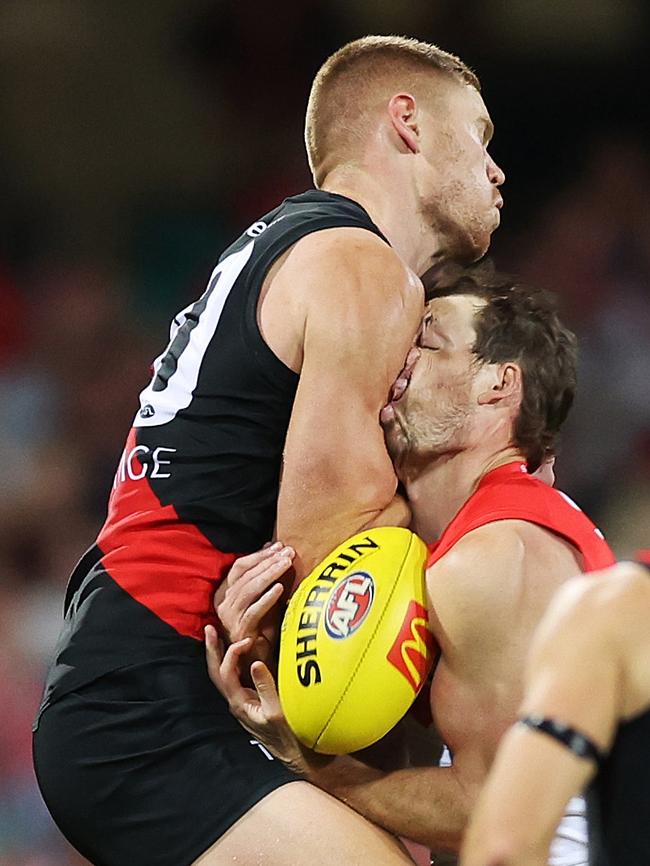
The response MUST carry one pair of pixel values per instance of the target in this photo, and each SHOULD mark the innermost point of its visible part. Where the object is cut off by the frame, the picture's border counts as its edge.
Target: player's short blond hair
(348, 83)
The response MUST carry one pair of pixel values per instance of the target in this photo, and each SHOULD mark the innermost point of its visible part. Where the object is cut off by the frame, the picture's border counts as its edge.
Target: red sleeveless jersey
(510, 493)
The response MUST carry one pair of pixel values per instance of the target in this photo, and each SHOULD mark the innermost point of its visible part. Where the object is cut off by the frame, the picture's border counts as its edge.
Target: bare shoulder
(595, 614)
(504, 573)
(480, 576)
(346, 243)
(338, 259)
(481, 560)
(596, 627)
(598, 597)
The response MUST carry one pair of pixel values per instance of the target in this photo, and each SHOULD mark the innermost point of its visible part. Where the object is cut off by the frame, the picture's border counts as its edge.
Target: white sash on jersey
(570, 846)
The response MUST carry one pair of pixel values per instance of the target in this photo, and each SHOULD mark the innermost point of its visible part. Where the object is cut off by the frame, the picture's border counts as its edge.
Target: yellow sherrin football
(355, 645)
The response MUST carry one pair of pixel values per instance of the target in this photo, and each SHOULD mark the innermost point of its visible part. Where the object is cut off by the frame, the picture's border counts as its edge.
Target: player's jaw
(458, 179)
(464, 213)
(427, 415)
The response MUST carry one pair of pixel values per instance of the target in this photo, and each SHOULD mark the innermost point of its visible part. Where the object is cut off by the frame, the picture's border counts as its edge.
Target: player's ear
(506, 385)
(403, 114)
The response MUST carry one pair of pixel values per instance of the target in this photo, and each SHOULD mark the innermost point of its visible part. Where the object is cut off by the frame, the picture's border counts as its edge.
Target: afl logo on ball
(349, 604)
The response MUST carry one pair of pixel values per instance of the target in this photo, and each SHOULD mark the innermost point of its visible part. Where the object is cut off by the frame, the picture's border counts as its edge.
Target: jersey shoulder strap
(295, 218)
(221, 327)
(510, 493)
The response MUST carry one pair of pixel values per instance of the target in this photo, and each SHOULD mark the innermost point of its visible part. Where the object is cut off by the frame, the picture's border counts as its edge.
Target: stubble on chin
(396, 440)
(425, 437)
(463, 234)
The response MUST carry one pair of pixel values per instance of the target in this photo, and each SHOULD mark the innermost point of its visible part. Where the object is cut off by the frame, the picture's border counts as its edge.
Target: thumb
(213, 652)
(266, 689)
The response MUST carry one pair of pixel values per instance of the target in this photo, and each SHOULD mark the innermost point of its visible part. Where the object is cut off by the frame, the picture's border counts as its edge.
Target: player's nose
(495, 172)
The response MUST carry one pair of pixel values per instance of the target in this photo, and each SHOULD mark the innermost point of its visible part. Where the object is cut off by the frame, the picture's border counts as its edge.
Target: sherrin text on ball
(355, 646)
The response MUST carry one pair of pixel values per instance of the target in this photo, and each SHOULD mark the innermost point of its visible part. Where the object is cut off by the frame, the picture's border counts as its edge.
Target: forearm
(426, 804)
(522, 802)
(574, 677)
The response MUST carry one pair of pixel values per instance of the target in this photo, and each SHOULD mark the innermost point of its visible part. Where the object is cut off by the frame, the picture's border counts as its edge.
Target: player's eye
(431, 345)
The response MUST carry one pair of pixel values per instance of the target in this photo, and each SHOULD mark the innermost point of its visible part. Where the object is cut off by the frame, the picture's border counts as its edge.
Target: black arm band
(575, 742)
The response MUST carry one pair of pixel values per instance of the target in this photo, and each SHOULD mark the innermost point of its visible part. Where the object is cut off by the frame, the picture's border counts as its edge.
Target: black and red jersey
(207, 441)
(198, 479)
(510, 493)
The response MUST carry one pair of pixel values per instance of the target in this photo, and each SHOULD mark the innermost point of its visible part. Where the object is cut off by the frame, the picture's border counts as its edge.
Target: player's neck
(389, 205)
(441, 488)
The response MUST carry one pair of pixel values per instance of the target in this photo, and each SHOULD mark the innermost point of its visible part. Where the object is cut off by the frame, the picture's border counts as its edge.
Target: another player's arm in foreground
(577, 675)
(360, 308)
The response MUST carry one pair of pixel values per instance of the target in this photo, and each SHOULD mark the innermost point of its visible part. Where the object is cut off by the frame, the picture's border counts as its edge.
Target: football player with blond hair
(262, 412)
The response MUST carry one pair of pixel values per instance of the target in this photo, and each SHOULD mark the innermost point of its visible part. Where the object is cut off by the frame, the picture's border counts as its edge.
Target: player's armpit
(362, 308)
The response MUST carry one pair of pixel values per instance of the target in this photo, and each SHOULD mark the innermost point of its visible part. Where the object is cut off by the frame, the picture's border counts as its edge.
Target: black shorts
(146, 765)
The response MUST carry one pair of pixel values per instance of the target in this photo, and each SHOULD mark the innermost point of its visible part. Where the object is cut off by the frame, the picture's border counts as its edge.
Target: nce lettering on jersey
(141, 462)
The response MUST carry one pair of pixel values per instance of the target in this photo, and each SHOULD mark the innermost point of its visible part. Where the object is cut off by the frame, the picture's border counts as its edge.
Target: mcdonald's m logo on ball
(412, 652)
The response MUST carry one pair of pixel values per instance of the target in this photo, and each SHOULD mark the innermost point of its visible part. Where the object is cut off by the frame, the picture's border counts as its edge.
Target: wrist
(337, 774)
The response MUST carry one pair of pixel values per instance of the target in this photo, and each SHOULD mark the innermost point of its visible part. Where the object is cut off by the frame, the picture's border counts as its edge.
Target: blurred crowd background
(137, 139)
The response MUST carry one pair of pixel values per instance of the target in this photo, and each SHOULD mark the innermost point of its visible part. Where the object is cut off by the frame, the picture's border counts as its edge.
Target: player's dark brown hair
(521, 324)
(347, 84)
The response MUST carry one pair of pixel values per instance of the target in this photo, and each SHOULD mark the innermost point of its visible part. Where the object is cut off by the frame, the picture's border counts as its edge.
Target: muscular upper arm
(487, 596)
(496, 583)
(360, 310)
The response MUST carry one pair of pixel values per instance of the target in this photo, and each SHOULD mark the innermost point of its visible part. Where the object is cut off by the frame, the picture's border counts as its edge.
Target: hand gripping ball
(355, 646)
